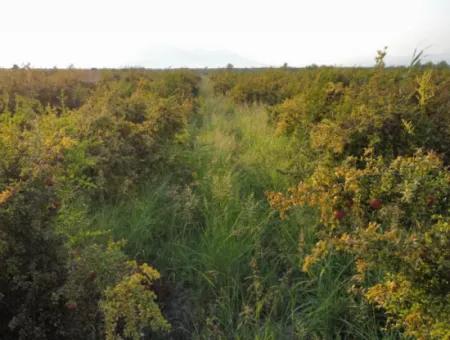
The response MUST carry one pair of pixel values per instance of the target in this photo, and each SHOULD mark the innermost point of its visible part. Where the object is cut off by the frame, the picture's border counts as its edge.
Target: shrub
(393, 218)
(60, 148)
(32, 255)
(392, 111)
(132, 302)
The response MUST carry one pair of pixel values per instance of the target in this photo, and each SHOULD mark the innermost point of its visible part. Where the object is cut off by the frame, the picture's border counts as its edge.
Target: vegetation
(240, 204)
(57, 162)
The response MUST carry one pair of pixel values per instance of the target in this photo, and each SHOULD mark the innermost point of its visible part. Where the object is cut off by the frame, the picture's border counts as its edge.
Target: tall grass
(230, 266)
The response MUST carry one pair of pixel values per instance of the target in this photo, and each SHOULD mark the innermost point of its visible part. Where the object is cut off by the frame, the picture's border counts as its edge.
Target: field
(277, 203)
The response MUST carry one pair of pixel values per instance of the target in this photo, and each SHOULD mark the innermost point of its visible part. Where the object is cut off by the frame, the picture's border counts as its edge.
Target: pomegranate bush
(393, 217)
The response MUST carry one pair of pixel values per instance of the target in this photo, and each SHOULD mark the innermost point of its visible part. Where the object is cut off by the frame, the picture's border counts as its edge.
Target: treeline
(69, 138)
(374, 150)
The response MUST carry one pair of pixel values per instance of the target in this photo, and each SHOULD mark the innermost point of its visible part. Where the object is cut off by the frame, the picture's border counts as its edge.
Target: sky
(212, 33)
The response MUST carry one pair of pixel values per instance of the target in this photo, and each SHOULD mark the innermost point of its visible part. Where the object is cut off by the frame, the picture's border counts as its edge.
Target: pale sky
(199, 33)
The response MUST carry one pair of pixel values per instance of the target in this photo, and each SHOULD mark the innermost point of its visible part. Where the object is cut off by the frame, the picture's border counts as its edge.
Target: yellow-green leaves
(133, 303)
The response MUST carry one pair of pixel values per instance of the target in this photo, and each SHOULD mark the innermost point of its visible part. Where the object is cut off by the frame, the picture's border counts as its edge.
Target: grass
(230, 267)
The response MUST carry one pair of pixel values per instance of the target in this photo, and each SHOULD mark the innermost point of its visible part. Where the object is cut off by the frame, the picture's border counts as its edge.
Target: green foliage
(268, 86)
(343, 111)
(381, 186)
(102, 172)
(32, 262)
(392, 111)
(93, 268)
(68, 138)
(229, 266)
(393, 217)
(32, 255)
(132, 302)
(61, 89)
(127, 129)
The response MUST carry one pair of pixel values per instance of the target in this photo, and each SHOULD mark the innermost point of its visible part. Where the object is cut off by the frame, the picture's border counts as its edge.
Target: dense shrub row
(270, 86)
(61, 90)
(66, 138)
(378, 141)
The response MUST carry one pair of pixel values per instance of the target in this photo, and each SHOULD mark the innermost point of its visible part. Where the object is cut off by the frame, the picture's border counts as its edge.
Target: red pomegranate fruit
(92, 276)
(431, 201)
(71, 305)
(339, 214)
(375, 203)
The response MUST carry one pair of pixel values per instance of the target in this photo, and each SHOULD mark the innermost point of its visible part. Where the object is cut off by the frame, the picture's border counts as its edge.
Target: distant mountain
(166, 57)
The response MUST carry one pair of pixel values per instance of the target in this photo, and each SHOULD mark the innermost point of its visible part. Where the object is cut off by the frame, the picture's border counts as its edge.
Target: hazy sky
(198, 33)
